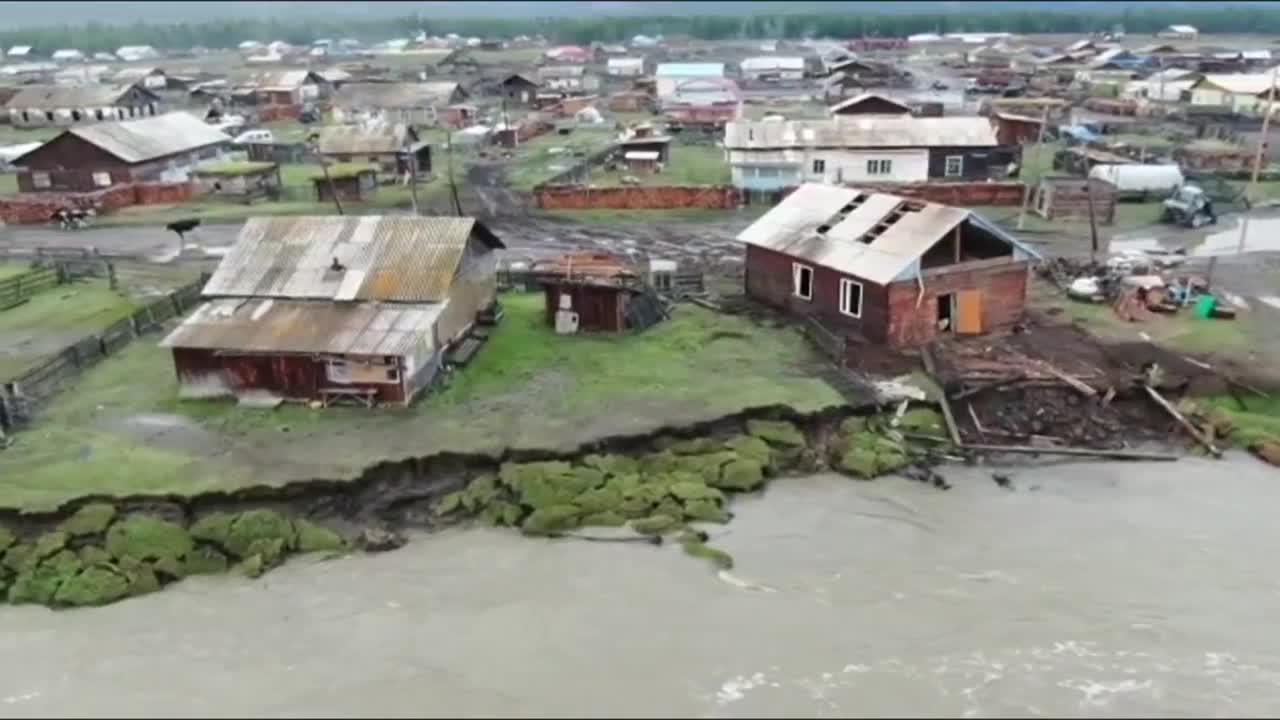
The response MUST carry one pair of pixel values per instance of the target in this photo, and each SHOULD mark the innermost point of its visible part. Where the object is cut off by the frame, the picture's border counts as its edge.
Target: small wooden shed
(351, 182)
(245, 180)
(1060, 196)
(607, 293)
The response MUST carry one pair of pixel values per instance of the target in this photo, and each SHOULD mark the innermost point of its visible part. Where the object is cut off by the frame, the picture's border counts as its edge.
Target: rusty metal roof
(357, 140)
(587, 264)
(870, 235)
(135, 141)
(387, 258)
(300, 326)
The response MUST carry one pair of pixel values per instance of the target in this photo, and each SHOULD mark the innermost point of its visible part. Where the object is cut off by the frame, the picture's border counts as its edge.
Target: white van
(254, 136)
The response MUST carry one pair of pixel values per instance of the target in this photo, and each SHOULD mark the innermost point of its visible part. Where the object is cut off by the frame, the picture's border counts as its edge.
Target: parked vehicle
(254, 136)
(1189, 206)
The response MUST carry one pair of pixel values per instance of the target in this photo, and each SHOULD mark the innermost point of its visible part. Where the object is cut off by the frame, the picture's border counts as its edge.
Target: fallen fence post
(1112, 454)
(1173, 412)
(926, 354)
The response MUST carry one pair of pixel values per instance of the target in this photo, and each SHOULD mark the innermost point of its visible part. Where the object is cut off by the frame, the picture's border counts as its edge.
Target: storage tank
(1140, 180)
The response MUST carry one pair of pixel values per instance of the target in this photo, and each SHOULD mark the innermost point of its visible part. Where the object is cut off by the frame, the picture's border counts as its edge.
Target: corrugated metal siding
(280, 326)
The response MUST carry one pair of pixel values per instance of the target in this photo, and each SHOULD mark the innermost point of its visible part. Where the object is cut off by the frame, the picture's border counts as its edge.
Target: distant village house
(394, 148)
(64, 106)
(164, 148)
(408, 103)
(771, 155)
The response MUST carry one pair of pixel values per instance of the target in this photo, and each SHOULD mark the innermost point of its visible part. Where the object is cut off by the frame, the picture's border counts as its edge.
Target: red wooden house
(884, 268)
(333, 308)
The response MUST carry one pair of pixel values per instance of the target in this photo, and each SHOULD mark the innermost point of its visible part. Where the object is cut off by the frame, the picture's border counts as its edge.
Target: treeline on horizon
(94, 37)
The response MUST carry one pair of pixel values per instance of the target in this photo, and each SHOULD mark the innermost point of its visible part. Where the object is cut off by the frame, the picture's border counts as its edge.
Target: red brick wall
(672, 196)
(35, 208)
(1004, 296)
(964, 194)
(162, 193)
(270, 113)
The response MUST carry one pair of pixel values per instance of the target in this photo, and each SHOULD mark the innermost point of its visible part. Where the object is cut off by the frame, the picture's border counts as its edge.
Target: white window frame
(846, 286)
(102, 179)
(338, 371)
(819, 166)
(946, 168)
(797, 271)
(880, 167)
(41, 180)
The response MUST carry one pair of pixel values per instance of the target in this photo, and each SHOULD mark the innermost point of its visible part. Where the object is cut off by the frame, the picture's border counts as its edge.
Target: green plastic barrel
(1204, 306)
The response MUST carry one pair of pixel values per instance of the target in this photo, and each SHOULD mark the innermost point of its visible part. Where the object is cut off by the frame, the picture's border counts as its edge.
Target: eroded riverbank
(1095, 589)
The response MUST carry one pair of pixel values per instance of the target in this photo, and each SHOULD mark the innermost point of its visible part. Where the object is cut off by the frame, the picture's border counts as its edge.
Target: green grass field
(539, 160)
(121, 428)
(13, 269)
(689, 165)
(54, 319)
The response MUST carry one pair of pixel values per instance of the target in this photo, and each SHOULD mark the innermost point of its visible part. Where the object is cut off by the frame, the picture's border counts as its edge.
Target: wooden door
(969, 312)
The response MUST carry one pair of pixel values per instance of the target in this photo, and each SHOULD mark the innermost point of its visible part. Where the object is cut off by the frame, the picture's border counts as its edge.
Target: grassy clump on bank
(96, 558)
(1254, 427)
(663, 489)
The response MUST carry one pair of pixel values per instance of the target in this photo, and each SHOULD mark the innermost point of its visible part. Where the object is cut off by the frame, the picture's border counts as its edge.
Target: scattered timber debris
(1054, 390)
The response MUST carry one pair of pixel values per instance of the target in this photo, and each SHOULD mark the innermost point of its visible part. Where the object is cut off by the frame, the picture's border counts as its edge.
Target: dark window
(802, 281)
(851, 297)
(819, 166)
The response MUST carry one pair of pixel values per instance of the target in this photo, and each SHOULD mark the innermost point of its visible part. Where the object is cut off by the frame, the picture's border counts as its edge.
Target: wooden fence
(50, 269)
(832, 344)
(21, 397)
(19, 288)
(683, 284)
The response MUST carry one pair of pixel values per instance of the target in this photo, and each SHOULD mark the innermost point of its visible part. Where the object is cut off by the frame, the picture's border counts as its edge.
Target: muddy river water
(1086, 589)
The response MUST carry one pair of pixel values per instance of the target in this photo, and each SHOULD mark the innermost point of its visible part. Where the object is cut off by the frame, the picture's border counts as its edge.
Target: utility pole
(1093, 223)
(1026, 194)
(413, 180)
(1257, 158)
(453, 186)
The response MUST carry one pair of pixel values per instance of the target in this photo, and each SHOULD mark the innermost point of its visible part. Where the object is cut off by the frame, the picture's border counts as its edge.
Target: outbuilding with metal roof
(334, 308)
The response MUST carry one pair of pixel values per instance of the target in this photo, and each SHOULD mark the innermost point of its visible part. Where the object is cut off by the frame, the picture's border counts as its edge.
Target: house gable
(67, 151)
(870, 105)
